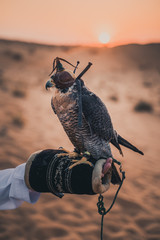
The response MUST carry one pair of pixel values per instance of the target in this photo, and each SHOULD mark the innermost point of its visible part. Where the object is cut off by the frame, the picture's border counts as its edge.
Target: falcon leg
(73, 154)
(84, 160)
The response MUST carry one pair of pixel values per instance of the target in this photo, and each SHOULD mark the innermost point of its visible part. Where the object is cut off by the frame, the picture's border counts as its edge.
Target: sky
(67, 22)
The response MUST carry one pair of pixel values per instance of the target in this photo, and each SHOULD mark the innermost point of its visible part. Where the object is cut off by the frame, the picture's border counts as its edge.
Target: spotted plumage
(96, 130)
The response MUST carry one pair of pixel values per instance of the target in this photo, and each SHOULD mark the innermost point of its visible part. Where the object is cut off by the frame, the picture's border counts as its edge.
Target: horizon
(76, 45)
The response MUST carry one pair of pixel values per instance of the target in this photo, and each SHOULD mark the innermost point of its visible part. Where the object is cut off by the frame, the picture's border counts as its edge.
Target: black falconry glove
(47, 172)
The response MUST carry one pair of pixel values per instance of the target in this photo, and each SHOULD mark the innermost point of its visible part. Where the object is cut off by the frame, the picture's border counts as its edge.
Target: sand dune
(123, 77)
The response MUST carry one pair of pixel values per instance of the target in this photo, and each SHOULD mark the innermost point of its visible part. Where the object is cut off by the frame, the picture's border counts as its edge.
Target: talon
(68, 154)
(62, 154)
(73, 154)
(74, 160)
(61, 148)
(84, 160)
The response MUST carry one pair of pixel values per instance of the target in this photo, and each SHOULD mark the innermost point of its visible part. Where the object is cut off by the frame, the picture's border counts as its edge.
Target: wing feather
(97, 116)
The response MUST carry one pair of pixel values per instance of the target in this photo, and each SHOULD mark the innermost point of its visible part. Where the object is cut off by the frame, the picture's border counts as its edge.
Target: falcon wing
(98, 118)
(96, 115)
(99, 121)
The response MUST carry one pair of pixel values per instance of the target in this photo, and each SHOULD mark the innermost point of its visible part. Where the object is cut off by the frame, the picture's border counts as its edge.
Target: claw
(84, 160)
(61, 148)
(68, 154)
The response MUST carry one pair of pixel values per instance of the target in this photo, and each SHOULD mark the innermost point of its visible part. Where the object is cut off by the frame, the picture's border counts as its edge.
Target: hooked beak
(50, 84)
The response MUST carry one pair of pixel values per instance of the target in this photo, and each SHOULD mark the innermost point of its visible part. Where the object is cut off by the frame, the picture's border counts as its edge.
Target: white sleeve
(13, 190)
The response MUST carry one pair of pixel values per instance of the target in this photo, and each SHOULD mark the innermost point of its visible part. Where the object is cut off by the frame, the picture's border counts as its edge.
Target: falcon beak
(50, 84)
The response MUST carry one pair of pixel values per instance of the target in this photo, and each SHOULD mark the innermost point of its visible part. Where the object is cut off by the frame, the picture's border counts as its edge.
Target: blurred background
(121, 39)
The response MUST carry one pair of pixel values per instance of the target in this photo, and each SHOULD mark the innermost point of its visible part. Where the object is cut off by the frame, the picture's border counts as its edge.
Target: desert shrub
(13, 55)
(143, 106)
(3, 131)
(147, 84)
(20, 93)
(114, 98)
(18, 121)
(17, 56)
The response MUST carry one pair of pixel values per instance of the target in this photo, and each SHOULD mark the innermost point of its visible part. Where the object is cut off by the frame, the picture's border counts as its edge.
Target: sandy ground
(121, 77)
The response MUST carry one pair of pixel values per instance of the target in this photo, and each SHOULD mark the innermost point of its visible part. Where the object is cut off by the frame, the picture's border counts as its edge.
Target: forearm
(13, 190)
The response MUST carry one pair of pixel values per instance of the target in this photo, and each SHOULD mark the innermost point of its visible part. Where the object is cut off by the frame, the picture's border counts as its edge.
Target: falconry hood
(62, 78)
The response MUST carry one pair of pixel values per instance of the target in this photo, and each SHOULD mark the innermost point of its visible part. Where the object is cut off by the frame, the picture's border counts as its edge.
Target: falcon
(83, 116)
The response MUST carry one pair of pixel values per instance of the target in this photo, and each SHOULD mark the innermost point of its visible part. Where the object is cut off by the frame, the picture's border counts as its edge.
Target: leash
(101, 209)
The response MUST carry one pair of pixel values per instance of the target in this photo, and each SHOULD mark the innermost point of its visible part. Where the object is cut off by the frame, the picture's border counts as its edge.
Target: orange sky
(80, 22)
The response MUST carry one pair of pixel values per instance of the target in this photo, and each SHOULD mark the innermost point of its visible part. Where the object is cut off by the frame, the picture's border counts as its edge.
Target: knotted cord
(101, 209)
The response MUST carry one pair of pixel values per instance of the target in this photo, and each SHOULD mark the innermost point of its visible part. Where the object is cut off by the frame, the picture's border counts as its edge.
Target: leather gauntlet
(47, 171)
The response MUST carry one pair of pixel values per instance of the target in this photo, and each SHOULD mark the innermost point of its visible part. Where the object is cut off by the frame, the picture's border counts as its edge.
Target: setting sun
(104, 38)
(115, 23)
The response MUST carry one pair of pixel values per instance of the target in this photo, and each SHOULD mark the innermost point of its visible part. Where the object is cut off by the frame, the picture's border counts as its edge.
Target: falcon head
(62, 78)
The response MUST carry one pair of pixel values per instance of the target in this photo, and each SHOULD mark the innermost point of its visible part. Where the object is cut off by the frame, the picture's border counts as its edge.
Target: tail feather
(116, 144)
(125, 143)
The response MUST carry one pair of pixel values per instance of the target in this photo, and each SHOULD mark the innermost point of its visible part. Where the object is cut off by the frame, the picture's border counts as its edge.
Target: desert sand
(122, 77)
